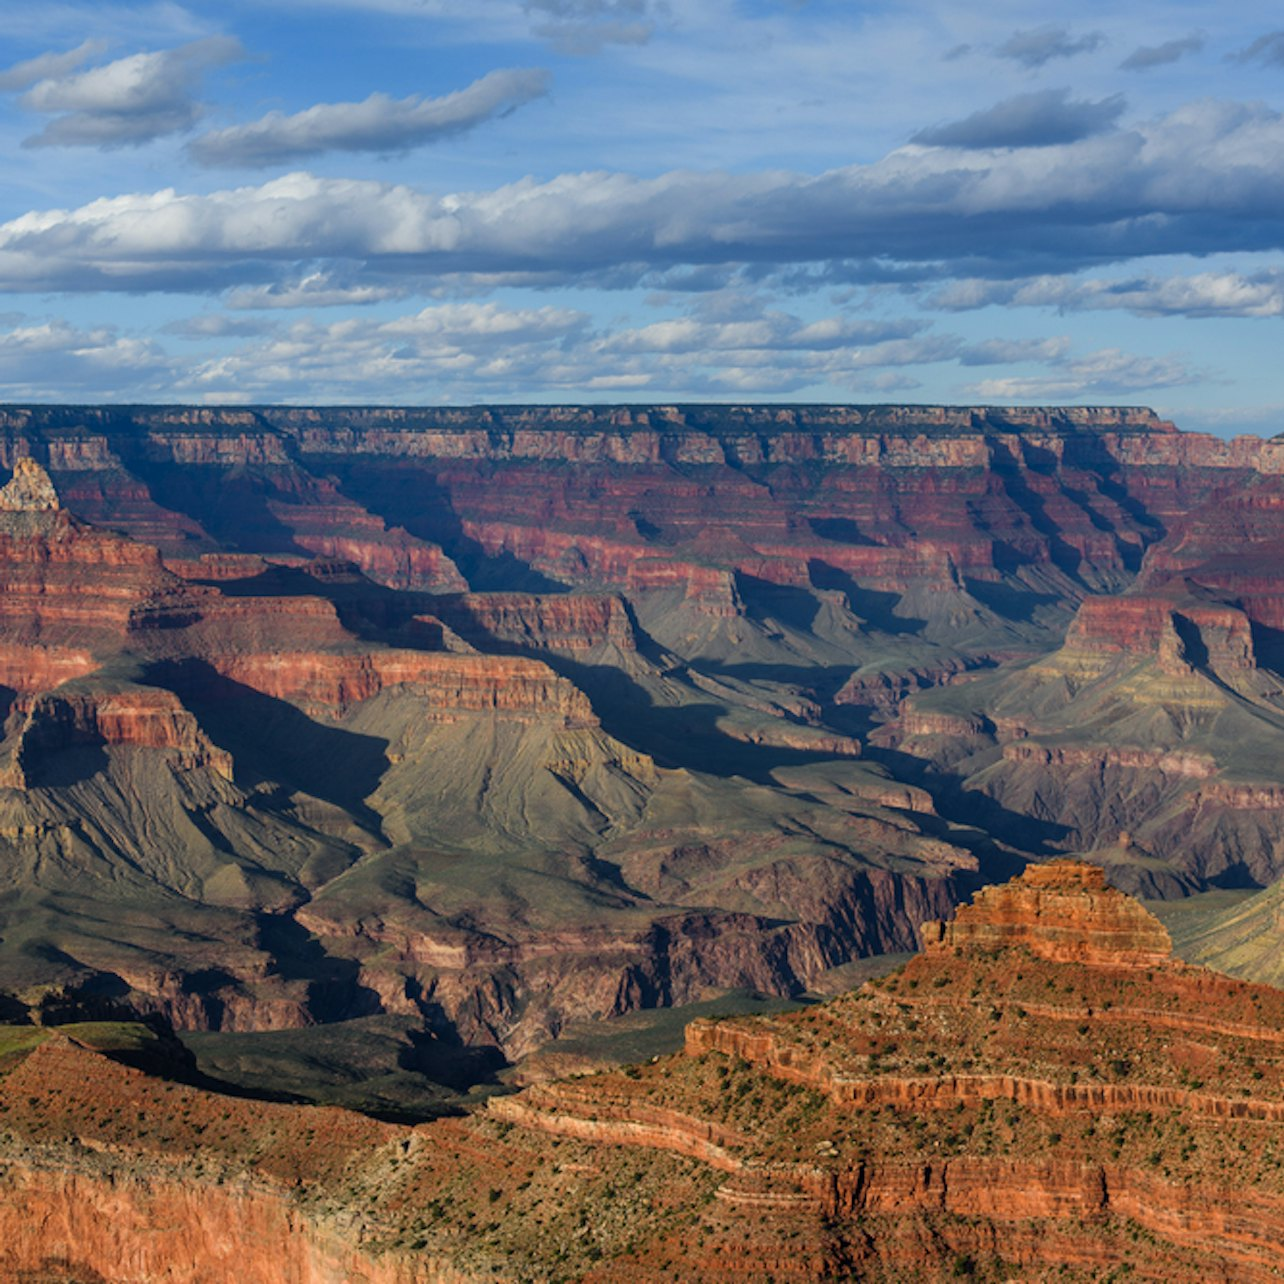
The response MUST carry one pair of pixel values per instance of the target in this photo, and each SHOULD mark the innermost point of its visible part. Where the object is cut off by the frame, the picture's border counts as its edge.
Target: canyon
(483, 721)
(362, 766)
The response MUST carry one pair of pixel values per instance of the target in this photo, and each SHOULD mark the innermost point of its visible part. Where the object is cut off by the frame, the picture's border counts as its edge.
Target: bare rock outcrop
(29, 490)
(1062, 911)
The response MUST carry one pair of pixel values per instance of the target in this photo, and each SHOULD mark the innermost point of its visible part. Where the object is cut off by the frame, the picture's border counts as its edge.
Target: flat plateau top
(713, 419)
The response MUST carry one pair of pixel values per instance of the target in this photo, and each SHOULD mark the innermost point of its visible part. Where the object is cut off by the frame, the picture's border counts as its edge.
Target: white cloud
(467, 350)
(129, 101)
(438, 351)
(23, 75)
(775, 331)
(1204, 294)
(316, 290)
(379, 124)
(42, 360)
(474, 351)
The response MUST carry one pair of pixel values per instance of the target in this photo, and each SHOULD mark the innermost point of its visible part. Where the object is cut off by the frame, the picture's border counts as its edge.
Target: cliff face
(887, 495)
(451, 685)
(571, 622)
(1156, 718)
(200, 741)
(142, 718)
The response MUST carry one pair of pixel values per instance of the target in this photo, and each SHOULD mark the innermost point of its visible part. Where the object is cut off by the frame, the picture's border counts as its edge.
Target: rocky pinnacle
(29, 489)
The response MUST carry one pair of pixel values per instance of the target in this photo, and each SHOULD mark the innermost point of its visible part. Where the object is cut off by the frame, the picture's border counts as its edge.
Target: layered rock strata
(1063, 912)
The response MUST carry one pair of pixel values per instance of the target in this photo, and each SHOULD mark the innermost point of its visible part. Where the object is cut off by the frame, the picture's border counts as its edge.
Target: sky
(462, 201)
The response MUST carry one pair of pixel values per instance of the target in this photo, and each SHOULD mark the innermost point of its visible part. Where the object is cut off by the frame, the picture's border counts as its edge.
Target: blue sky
(418, 201)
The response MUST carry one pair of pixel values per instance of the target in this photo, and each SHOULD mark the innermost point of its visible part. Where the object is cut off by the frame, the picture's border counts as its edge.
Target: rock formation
(209, 738)
(1063, 912)
(29, 490)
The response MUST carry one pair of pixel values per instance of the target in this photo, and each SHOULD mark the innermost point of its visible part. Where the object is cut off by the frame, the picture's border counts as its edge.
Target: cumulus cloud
(451, 349)
(1204, 294)
(1146, 56)
(585, 26)
(463, 351)
(1040, 45)
(379, 124)
(774, 331)
(1208, 177)
(129, 101)
(1267, 49)
(47, 66)
(1028, 120)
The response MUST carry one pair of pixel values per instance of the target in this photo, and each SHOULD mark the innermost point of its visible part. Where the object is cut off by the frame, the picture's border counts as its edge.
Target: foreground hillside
(1043, 1092)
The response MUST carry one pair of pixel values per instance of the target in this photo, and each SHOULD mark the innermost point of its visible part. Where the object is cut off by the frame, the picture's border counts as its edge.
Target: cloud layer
(1267, 49)
(1146, 56)
(1207, 177)
(47, 66)
(1204, 294)
(1040, 45)
(720, 201)
(585, 26)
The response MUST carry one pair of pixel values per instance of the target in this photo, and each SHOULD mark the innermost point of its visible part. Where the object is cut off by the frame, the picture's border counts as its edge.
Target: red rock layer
(1164, 762)
(658, 496)
(1062, 911)
(139, 718)
(58, 576)
(450, 684)
(1175, 632)
(218, 566)
(833, 1141)
(37, 667)
(139, 1229)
